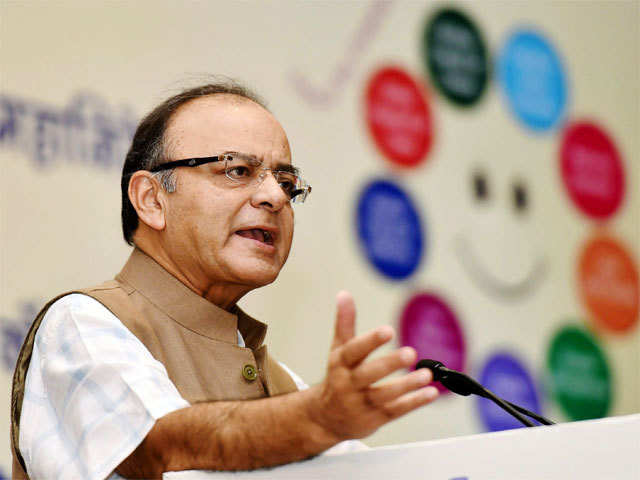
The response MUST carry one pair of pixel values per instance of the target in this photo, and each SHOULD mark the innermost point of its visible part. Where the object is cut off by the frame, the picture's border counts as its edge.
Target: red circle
(592, 170)
(399, 117)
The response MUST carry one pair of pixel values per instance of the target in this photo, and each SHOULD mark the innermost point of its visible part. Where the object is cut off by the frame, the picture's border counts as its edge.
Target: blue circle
(506, 376)
(389, 229)
(533, 80)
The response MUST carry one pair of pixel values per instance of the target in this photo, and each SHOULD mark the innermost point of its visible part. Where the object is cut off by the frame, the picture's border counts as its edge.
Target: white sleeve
(93, 391)
(295, 377)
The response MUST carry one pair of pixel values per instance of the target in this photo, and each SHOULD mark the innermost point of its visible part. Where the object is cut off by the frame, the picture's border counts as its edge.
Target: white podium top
(595, 449)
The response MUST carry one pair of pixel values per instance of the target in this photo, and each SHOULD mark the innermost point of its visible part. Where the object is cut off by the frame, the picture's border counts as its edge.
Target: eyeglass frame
(197, 161)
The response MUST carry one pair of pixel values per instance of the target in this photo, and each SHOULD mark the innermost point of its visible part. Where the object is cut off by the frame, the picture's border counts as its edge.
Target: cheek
(288, 223)
(200, 217)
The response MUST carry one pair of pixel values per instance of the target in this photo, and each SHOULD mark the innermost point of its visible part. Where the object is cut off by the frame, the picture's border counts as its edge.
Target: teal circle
(579, 374)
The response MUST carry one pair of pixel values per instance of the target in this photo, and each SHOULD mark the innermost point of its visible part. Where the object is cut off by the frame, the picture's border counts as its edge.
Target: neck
(223, 295)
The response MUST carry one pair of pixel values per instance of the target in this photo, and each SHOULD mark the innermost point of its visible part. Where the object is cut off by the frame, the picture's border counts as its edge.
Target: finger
(410, 401)
(370, 372)
(381, 394)
(357, 349)
(345, 319)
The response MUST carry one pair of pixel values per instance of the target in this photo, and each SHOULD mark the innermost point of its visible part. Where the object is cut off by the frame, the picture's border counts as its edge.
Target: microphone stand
(464, 385)
(528, 413)
(506, 406)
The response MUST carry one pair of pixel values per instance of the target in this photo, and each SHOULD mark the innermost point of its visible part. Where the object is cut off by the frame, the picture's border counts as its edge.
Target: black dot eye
(520, 198)
(480, 186)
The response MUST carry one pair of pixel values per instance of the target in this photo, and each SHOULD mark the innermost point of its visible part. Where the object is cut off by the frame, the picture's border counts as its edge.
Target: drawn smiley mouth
(492, 284)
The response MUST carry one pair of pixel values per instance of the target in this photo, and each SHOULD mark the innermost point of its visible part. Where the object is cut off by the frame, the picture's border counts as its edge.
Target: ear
(146, 195)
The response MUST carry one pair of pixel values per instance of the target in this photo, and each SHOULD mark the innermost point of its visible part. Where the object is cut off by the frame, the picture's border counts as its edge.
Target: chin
(257, 275)
(257, 281)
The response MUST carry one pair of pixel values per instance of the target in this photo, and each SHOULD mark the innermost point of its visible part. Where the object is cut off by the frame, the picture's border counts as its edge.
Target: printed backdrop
(474, 167)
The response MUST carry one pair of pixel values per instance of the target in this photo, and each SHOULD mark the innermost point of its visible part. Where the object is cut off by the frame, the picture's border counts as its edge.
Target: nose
(268, 193)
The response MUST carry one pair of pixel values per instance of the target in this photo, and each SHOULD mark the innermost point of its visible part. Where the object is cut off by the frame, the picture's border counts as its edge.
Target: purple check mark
(325, 96)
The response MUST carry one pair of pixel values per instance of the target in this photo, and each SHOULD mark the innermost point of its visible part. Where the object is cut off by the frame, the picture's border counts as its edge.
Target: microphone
(464, 385)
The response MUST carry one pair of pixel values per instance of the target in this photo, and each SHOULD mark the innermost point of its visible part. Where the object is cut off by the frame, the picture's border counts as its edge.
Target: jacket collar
(186, 307)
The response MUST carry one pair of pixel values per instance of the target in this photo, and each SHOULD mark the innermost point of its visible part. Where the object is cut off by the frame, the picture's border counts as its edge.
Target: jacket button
(249, 372)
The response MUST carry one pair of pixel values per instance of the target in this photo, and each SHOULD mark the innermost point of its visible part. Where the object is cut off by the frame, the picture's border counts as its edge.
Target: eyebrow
(287, 167)
(280, 166)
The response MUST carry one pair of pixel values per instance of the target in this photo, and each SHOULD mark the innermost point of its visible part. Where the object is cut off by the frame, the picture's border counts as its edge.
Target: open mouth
(258, 234)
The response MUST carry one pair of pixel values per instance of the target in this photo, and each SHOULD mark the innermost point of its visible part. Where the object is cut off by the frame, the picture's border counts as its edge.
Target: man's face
(213, 224)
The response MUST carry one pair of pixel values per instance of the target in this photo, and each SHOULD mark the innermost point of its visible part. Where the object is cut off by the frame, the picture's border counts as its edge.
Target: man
(159, 370)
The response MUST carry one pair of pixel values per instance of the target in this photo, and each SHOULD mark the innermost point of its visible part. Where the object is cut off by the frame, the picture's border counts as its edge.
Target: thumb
(345, 319)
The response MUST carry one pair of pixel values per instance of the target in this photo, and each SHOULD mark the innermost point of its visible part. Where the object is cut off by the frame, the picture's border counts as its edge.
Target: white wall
(60, 221)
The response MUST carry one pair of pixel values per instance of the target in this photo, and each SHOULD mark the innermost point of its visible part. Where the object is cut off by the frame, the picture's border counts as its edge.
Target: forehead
(220, 123)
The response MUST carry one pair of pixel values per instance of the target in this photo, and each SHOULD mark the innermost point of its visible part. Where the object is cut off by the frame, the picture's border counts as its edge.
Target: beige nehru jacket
(195, 340)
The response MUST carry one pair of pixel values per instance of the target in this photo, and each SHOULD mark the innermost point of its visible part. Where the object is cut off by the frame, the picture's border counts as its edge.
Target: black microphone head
(432, 365)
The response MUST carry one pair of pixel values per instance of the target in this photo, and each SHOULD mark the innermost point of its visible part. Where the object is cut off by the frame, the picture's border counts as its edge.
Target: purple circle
(507, 377)
(430, 326)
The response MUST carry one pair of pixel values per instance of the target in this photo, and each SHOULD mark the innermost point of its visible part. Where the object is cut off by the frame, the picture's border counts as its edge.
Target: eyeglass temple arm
(306, 188)
(187, 162)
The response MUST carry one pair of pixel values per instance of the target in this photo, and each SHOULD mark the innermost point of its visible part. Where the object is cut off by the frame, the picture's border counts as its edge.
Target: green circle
(455, 54)
(579, 374)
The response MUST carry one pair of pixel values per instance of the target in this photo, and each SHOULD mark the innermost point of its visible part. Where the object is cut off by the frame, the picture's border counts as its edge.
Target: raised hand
(350, 404)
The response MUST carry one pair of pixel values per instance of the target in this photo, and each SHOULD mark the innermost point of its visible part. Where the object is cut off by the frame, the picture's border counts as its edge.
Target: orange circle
(608, 282)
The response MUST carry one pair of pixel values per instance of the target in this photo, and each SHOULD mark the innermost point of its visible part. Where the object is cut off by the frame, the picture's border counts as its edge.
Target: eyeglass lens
(243, 169)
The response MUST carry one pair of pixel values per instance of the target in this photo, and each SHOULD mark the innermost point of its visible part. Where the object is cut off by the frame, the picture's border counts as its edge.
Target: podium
(605, 449)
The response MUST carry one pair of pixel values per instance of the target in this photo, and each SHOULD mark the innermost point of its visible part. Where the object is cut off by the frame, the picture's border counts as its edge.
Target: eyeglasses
(246, 170)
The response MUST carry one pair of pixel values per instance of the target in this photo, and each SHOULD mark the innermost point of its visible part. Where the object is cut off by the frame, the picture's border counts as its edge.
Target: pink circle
(430, 326)
(592, 170)
(398, 116)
